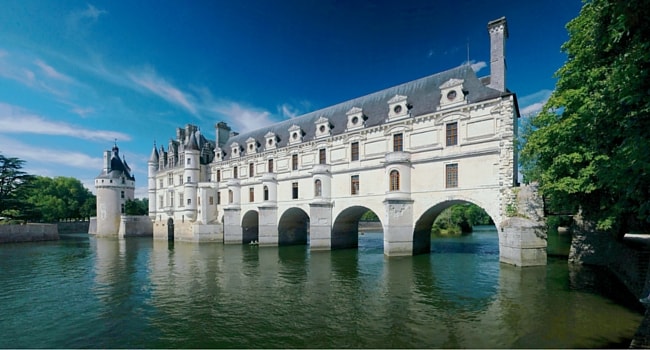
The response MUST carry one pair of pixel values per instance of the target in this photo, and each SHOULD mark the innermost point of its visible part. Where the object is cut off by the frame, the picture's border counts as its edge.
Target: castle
(114, 186)
(406, 153)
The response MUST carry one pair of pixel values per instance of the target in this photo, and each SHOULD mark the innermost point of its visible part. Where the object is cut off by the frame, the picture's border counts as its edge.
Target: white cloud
(531, 104)
(51, 72)
(82, 112)
(14, 119)
(91, 12)
(244, 118)
(60, 157)
(288, 111)
(150, 81)
(477, 66)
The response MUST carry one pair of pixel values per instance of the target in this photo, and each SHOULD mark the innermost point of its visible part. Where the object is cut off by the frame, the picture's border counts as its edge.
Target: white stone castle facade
(406, 153)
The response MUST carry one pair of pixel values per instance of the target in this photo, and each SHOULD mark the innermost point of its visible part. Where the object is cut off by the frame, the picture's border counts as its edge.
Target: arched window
(318, 188)
(230, 196)
(266, 193)
(394, 180)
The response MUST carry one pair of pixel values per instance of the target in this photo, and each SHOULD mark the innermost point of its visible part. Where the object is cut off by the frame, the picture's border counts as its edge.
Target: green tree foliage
(369, 216)
(12, 182)
(59, 198)
(589, 148)
(459, 219)
(136, 206)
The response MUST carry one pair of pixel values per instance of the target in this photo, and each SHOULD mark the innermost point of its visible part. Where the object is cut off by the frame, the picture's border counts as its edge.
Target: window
(398, 143)
(122, 208)
(123, 180)
(211, 200)
(251, 170)
(189, 161)
(171, 199)
(189, 179)
(251, 194)
(170, 179)
(230, 199)
(234, 172)
(452, 134)
(218, 197)
(218, 175)
(180, 200)
(161, 202)
(180, 179)
(451, 175)
(294, 190)
(122, 194)
(160, 182)
(318, 188)
(189, 201)
(270, 165)
(354, 184)
(354, 151)
(322, 159)
(266, 193)
(294, 162)
(394, 180)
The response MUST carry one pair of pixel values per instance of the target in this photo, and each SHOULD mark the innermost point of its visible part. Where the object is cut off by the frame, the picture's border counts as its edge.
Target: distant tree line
(459, 219)
(30, 198)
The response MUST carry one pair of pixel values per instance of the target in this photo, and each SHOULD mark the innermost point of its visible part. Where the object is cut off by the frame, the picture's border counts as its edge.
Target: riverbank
(28, 233)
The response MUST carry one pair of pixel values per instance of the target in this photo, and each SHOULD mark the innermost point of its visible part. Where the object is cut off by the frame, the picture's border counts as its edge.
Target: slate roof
(423, 95)
(118, 167)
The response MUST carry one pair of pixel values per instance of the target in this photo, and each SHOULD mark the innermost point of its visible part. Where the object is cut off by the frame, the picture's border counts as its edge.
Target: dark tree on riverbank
(589, 148)
(59, 198)
(136, 207)
(12, 181)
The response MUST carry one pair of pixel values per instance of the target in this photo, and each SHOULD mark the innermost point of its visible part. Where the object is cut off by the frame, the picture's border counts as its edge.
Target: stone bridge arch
(345, 229)
(425, 219)
(250, 224)
(293, 227)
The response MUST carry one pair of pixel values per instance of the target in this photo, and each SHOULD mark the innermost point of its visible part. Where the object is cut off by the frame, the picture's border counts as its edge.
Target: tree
(136, 206)
(59, 198)
(589, 148)
(12, 179)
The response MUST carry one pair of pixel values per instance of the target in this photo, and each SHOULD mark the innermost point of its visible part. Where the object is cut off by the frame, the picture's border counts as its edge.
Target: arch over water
(250, 227)
(293, 228)
(422, 229)
(345, 231)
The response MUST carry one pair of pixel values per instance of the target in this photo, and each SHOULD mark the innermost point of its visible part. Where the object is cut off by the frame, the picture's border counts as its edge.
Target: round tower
(191, 174)
(152, 165)
(114, 186)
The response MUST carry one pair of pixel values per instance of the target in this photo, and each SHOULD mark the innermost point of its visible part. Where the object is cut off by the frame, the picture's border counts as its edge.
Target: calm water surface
(84, 292)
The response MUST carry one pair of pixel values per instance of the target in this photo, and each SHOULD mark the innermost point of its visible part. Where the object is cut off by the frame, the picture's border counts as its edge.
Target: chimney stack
(498, 30)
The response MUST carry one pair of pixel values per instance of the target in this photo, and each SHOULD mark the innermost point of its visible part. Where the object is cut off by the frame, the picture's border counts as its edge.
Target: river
(87, 292)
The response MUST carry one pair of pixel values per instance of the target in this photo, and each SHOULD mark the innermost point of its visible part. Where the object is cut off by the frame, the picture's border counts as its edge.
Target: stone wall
(630, 264)
(73, 227)
(592, 247)
(135, 226)
(28, 233)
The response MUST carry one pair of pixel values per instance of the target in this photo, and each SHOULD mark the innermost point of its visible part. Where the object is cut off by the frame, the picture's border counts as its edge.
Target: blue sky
(76, 75)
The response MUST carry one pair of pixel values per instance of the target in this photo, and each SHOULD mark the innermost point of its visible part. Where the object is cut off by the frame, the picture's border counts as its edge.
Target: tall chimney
(498, 30)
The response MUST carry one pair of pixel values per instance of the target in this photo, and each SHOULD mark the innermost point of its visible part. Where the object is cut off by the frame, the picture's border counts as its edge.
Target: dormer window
(398, 108)
(295, 134)
(323, 127)
(235, 150)
(356, 119)
(251, 145)
(271, 140)
(452, 93)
